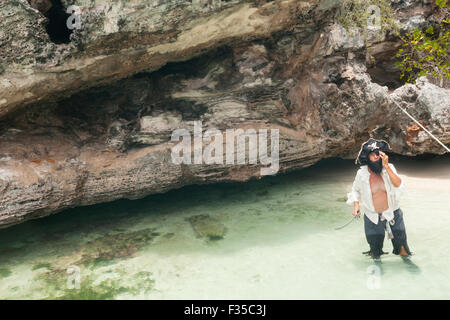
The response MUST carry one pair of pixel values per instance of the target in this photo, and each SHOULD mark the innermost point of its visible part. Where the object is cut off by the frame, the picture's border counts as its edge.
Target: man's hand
(385, 159)
(395, 179)
(356, 211)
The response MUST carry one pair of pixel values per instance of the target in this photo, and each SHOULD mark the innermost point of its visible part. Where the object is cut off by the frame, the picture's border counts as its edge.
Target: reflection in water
(273, 238)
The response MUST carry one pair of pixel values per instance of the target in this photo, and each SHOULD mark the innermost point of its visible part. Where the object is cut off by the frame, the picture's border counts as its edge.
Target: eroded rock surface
(73, 134)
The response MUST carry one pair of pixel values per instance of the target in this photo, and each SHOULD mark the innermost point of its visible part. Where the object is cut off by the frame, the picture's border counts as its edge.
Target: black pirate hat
(368, 147)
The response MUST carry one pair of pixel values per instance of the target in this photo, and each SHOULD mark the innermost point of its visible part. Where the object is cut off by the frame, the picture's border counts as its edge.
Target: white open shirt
(361, 192)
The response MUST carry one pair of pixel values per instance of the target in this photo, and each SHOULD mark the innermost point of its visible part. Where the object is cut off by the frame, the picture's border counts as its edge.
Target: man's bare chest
(377, 184)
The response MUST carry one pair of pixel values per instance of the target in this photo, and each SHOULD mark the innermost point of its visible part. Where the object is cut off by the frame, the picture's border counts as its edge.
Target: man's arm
(354, 196)
(395, 179)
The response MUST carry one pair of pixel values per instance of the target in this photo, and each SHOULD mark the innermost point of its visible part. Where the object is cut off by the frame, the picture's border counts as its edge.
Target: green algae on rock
(41, 266)
(207, 227)
(110, 247)
(100, 252)
(4, 272)
(106, 289)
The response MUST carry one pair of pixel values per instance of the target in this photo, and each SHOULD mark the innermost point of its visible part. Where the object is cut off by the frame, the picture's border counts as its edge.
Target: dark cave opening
(386, 75)
(383, 69)
(57, 23)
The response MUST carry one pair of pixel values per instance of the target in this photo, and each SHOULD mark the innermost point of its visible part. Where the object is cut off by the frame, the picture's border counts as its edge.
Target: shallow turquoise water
(280, 243)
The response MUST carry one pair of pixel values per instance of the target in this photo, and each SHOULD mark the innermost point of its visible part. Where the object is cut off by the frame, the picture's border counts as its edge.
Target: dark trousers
(375, 234)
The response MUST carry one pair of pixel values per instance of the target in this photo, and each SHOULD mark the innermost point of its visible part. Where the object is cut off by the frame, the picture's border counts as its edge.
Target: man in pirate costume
(377, 189)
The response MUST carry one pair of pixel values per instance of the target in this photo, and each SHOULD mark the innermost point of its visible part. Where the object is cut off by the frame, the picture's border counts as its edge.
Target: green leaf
(441, 3)
(422, 73)
(417, 33)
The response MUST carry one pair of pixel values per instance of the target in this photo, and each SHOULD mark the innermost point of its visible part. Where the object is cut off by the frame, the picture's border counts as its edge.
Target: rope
(446, 148)
(352, 219)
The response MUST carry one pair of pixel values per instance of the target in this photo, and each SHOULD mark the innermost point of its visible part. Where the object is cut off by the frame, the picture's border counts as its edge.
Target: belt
(389, 223)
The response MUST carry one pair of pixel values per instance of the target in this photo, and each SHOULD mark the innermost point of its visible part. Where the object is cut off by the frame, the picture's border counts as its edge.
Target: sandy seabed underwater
(278, 242)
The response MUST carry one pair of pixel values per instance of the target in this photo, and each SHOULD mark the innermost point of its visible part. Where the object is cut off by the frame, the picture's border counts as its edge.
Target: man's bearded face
(375, 165)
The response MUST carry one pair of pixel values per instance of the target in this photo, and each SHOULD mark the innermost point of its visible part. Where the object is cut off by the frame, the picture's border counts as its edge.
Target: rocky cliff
(87, 112)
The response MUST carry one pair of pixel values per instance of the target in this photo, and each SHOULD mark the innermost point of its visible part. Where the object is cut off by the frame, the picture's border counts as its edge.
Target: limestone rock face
(430, 104)
(88, 116)
(41, 5)
(115, 39)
